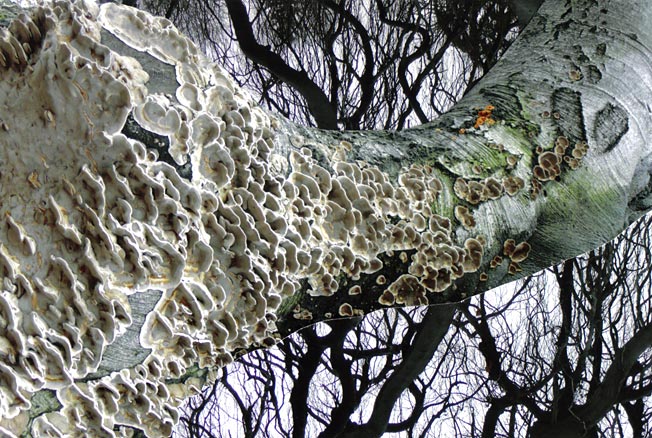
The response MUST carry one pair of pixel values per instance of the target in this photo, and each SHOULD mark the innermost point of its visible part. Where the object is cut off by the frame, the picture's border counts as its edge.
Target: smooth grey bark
(578, 72)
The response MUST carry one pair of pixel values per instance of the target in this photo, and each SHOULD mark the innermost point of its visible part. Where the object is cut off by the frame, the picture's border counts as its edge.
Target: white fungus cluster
(89, 217)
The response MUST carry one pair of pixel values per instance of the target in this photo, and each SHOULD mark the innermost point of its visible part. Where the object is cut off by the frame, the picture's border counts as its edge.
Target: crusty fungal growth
(345, 310)
(550, 162)
(304, 314)
(355, 290)
(387, 298)
(495, 262)
(475, 192)
(514, 268)
(548, 167)
(408, 290)
(572, 162)
(535, 188)
(508, 247)
(516, 253)
(520, 252)
(464, 216)
(513, 184)
(574, 75)
(580, 150)
(512, 161)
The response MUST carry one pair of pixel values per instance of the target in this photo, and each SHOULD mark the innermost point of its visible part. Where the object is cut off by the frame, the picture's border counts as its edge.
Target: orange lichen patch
(462, 131)
(520, 253)
(484, 117)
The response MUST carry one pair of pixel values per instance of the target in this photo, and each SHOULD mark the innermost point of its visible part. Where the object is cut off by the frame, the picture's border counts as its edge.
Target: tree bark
(156, 222)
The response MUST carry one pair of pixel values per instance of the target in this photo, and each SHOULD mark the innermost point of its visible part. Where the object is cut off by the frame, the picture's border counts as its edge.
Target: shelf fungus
(513, 184)
(345, 310)
(475, 192)
(104, 221)
(464, 216)
(549, 162)
(517, 253)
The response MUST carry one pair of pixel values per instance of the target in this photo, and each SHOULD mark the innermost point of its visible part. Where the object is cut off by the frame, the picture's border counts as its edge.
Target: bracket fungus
(475, 192)
(517, 253)
(464, 216)
(345, 310)
(549, 162)
(513, 184)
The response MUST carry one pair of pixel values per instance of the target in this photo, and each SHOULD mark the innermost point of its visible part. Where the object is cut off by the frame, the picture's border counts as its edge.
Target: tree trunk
(156, 221)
